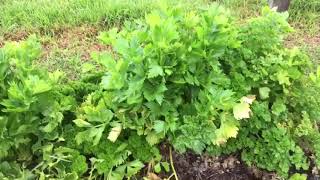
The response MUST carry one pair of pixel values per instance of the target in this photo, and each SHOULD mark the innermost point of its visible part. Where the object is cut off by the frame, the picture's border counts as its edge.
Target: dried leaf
(114, 133)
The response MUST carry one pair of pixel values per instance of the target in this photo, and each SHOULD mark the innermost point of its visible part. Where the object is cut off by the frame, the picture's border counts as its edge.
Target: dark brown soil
(190, 166)
(194, 167)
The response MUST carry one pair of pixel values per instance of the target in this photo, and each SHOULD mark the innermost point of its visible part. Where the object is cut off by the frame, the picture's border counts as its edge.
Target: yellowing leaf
(231, 131)
(82, 123)
(219, 140)
(192, 19)
(241, 111)
(298, 176)
(283, 77)
(221, 19)
(153, 138)
(114, 133)
(227, 130)
(55, 76)
(153, 20)
(248, 99)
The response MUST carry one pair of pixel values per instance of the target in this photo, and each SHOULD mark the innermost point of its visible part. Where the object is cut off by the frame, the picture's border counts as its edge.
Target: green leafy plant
(204, 83)
(32, 108)
(284, 107)
(166, 77)
(298, 176)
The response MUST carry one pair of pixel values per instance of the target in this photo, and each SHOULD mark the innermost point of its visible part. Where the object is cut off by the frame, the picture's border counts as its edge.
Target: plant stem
(172, 165)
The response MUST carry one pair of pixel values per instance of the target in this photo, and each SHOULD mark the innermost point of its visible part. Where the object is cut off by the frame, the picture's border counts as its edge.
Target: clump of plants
(193, 79)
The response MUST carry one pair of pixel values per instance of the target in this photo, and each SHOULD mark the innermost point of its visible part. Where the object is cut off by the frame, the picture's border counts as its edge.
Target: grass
(47, 15)
(69, 49)
(70, 65)
(314, 53)
(306, 15)
(243, 8)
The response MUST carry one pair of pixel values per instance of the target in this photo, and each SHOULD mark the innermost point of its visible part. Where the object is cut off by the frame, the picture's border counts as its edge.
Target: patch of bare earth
(194, 167)
(74, 40)
(190, 166)
(301, 38)
(79, 40)
(313, 41)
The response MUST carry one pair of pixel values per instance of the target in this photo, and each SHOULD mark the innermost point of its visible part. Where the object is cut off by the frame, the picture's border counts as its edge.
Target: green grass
(48, 14)
(314, 53)
(68, 50)
(70, 65)
(243, 8)
(305, 14)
